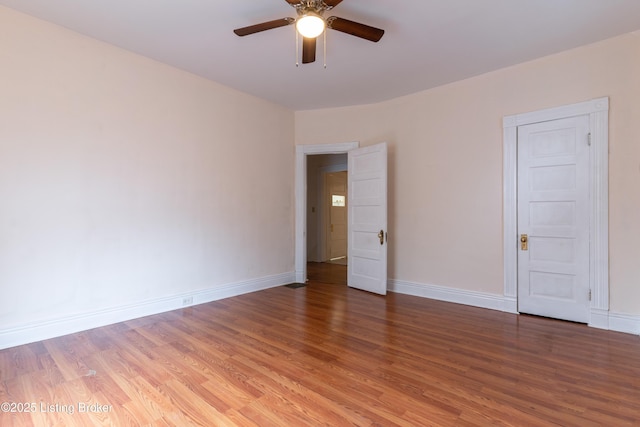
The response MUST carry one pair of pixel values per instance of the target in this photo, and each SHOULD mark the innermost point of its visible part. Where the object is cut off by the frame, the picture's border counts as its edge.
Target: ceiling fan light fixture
(310, 25)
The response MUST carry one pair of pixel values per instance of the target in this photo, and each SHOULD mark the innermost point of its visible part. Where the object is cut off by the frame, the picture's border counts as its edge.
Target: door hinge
(589, 294)
(589, 139)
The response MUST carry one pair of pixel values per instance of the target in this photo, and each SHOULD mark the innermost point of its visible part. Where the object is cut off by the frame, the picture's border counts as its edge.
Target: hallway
(324, 272)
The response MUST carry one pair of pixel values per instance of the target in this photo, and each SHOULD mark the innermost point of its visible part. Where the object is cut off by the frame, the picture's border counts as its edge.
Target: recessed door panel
(552, 213)
(553, 143)
(552, 285)
(552, 249)
(553, 178)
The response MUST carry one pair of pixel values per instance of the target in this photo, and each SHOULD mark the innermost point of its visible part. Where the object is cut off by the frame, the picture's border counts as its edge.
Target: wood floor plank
(67, 361)
(234, 379)
(312, 406)
(326, 354)
(17, 361)
(193, 406)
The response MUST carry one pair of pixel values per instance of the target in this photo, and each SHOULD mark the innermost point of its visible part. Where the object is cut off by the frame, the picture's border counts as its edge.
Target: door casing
(302, 151)
(598, 111)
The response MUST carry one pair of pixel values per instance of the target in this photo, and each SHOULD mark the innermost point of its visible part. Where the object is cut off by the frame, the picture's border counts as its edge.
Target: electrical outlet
(187, 301)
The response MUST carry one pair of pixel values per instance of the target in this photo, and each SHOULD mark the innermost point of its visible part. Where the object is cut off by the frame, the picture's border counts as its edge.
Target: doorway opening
(303, 154)
(327, 218)
(367, 205)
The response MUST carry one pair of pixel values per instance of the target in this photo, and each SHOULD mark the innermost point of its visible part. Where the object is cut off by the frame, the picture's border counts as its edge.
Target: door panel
(367, 190)
(553, 211)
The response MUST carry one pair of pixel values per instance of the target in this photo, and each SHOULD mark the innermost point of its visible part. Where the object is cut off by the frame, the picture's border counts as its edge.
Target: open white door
(367, 201)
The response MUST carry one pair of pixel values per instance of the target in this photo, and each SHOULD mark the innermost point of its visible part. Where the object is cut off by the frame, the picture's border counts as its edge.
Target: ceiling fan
(311, 23)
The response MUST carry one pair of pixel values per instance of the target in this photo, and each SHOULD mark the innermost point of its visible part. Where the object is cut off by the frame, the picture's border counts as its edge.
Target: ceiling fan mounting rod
(315, 6)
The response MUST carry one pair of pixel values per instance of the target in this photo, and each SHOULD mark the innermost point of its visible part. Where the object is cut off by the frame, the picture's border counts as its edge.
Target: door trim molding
(598, 112)
(302, 151)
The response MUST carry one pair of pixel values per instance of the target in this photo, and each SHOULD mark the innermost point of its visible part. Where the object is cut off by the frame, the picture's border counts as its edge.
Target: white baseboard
(38, 331)
(619, 322)
(458, 296)
(511, 305)
(624, 323)
(601, 319)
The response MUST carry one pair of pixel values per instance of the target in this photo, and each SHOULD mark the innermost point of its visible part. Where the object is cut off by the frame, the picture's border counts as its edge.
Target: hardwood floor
(326, 354)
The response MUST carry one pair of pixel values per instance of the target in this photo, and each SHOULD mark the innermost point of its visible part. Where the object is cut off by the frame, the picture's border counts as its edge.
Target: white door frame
(598, 111)
(302, 151)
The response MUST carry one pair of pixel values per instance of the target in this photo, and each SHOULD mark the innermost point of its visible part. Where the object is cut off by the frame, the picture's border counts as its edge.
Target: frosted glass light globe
(310, 25)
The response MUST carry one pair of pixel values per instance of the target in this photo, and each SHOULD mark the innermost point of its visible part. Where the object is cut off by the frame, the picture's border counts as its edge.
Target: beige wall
(123, 180)
(445, 169)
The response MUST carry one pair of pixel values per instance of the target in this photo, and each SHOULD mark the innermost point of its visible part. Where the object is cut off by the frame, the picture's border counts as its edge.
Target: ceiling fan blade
(355, 29)
(252, 29)
(308, 50)
(332, 3)
(292, 2)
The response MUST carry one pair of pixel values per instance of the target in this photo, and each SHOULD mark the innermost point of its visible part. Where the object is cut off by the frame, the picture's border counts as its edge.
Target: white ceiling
(427, 42)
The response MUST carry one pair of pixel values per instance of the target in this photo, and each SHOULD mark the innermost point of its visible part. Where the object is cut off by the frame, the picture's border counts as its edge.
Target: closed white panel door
(553, 219)
(367, 201)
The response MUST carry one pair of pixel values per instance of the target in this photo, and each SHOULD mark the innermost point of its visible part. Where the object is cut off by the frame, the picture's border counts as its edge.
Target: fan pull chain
(297, 46)
(324, 46)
